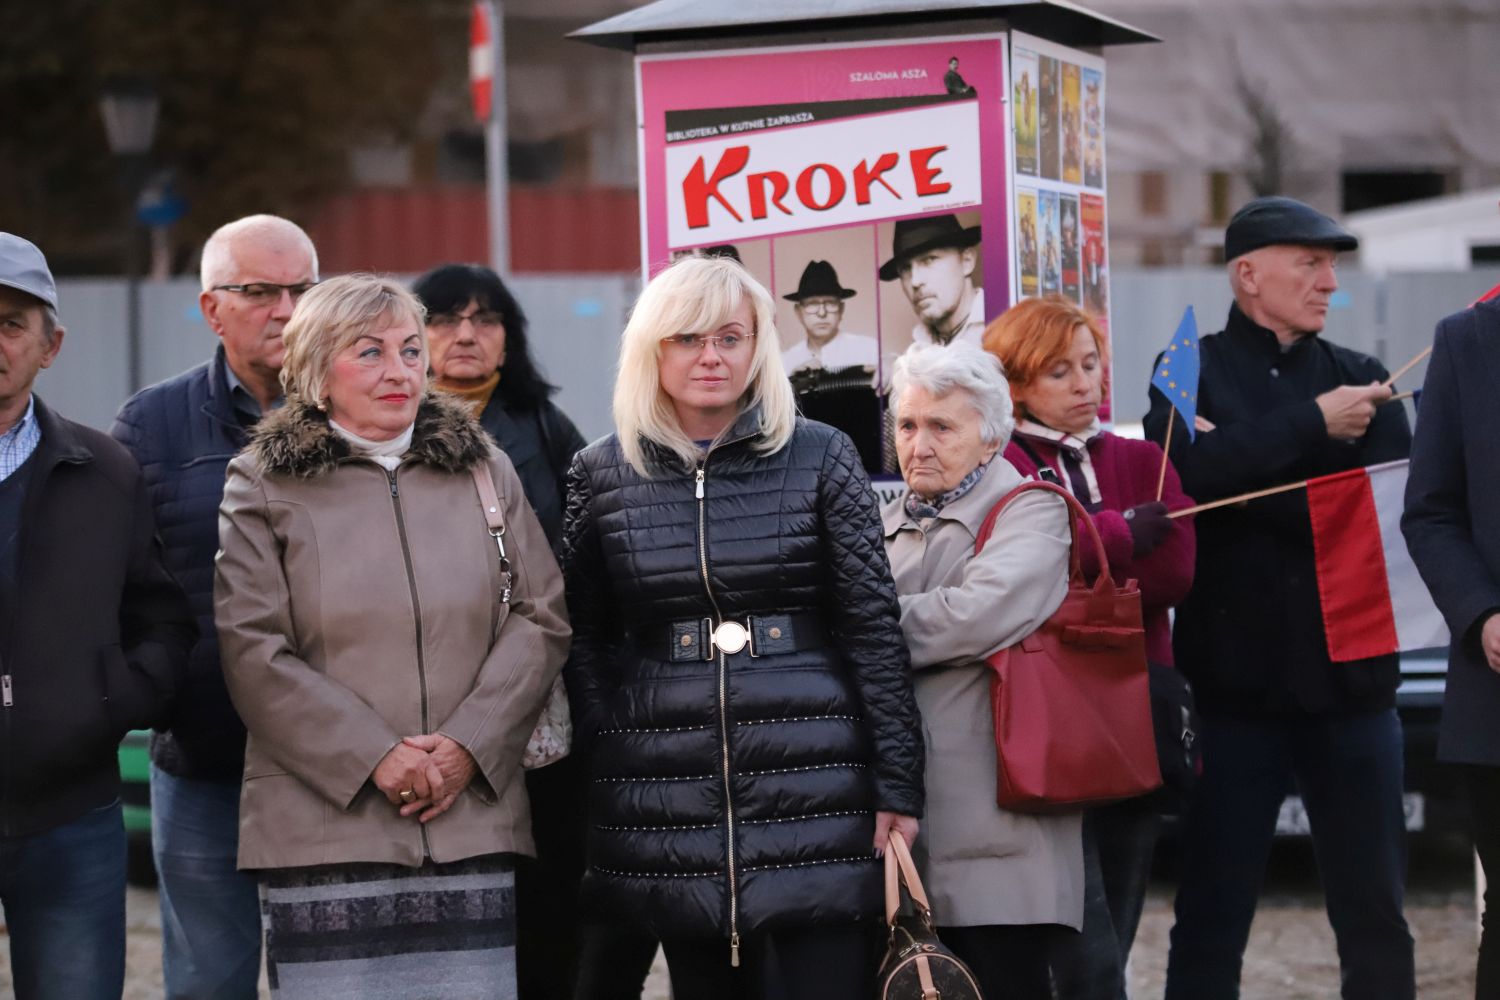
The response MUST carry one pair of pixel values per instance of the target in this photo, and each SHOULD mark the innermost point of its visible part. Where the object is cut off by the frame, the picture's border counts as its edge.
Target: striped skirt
(375, 931)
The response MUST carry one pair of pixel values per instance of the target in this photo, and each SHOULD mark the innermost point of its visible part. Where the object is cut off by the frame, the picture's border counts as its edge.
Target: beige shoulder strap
(489, 502)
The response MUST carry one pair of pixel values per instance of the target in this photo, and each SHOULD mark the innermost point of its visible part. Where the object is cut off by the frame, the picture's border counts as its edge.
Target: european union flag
(1176, 375)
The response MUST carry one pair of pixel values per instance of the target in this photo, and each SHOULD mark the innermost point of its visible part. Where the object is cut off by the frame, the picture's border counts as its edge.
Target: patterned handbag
(917, 966)
(553, 736)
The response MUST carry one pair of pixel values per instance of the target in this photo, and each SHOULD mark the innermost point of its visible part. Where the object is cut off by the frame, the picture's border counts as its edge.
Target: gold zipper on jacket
(734, 902)
(416, 613)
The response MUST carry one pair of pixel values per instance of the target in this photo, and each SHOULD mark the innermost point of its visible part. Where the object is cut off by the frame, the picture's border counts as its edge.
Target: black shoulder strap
(1044, 470)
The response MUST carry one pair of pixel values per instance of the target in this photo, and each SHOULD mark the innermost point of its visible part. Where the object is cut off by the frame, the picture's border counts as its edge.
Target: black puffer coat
(737, 794)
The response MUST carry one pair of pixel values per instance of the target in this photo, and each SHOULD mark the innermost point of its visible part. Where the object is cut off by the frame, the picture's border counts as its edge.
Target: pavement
(1291, 954)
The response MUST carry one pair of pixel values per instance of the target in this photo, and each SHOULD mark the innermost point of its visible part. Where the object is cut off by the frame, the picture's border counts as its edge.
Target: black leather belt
(758, 635)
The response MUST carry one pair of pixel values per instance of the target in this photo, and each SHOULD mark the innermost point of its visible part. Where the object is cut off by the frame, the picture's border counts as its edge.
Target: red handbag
(1072, 700)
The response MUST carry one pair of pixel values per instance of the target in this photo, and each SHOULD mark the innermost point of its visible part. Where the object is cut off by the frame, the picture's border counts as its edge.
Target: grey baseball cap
(23, 268)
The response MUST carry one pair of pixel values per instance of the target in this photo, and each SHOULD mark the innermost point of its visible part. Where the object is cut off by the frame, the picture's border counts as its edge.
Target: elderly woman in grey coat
(1002, 884)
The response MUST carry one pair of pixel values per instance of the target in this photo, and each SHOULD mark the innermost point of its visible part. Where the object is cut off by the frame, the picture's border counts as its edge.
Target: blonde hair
(333, 315)
(696, 295)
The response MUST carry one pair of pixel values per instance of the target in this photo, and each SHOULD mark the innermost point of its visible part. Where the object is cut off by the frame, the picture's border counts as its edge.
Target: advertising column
(1058, 119)
(864, 184)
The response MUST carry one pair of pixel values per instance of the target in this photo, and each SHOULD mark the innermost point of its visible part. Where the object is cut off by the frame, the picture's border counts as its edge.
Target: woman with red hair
(1057, 363)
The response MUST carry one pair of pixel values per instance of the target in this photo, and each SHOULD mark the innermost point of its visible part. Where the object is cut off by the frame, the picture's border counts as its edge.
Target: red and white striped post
(487, 90)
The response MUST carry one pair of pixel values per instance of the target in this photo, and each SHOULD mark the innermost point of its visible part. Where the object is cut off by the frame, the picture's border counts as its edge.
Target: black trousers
(559, 956)
(810, 963)
(1483, 785)
(1009, 961)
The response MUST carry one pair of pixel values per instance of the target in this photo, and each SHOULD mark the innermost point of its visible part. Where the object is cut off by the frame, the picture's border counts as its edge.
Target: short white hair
(941, 370)
(219, 266)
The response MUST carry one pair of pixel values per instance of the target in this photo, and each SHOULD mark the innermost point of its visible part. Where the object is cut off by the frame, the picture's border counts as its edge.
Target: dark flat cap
(1268, 221)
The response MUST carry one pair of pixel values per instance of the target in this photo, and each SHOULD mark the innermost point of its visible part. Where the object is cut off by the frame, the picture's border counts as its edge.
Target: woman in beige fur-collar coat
(1002, 884)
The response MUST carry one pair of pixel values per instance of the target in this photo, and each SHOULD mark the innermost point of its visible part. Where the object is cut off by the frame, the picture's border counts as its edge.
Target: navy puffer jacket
(183, 432)
(737, 794)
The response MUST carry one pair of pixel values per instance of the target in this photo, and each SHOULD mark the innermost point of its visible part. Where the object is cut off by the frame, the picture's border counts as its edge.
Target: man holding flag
(1275, 403)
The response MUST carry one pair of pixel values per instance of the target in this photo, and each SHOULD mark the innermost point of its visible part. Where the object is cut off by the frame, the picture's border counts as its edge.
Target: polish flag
(1373, 600)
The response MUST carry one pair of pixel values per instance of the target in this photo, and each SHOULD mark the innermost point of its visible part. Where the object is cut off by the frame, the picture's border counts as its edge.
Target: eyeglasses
(263, 293)
(727, 344)
(821, 308)
(481, 319)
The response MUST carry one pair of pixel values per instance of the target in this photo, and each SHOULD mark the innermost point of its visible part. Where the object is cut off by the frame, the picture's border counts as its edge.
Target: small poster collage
(1058, 114)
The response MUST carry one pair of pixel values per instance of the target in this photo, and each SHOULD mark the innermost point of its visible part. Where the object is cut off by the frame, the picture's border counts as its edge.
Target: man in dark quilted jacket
(183, 432)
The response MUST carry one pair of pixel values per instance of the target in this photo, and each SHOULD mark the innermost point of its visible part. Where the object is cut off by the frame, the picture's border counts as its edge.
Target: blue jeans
(1348, 770)
(210, 910)
(64, 896)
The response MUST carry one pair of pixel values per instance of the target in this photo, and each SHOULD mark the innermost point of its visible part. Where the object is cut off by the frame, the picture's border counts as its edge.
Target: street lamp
(129, 109)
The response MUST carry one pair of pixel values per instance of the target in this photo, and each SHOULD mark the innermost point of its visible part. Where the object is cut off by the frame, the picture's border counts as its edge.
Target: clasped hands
(432, 769)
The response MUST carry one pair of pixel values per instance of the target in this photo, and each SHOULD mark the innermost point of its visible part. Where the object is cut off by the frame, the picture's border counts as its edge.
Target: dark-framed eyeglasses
(481, 319)
(264, 293)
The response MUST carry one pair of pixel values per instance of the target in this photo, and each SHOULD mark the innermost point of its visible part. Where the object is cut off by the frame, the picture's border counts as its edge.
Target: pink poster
(864, 184)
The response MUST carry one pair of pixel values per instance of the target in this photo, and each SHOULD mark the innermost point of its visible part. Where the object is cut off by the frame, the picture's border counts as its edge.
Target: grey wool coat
(979, 863)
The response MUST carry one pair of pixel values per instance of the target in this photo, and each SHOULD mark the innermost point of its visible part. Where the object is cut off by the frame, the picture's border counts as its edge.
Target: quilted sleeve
(866, 621)
(596, 627)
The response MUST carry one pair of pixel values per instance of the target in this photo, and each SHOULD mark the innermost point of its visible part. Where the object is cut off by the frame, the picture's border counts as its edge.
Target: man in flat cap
(819, 302)
(94, 636)
(935, 258)
(1278, 404)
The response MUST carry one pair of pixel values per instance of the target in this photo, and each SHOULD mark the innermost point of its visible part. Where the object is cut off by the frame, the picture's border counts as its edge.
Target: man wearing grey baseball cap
(1277, 403)
(94, 635)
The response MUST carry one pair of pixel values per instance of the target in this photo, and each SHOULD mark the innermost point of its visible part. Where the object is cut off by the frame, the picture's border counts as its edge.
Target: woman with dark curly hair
(476, 335)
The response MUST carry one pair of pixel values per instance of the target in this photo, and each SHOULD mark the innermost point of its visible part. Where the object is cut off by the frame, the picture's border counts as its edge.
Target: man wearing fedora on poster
(936, 258)
(832, 370)
(819, 302)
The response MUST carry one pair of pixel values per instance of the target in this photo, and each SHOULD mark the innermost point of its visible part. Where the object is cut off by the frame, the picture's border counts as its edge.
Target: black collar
(1251, 334)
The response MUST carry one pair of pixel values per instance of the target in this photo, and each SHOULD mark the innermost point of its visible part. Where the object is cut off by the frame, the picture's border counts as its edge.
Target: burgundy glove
(1149, 526)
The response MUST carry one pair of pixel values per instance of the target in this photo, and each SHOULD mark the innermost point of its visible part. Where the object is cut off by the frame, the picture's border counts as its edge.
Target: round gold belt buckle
(731, 637)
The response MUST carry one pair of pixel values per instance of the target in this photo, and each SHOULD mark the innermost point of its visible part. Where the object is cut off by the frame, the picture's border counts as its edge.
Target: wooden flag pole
(1400, 396)
(1166, 449)
(1407, 367)
(1269, 491)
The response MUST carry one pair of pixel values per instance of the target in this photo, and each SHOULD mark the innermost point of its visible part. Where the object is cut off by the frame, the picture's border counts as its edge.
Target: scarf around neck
(386, 454)
(919, 508)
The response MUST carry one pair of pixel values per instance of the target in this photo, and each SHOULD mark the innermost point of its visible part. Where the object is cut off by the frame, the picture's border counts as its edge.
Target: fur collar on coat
(297, 441)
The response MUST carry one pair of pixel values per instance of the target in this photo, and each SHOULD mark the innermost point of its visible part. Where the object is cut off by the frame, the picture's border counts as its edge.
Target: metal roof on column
(690, 20)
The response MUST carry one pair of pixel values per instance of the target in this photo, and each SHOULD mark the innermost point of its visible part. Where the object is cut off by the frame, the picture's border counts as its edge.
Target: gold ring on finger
(408, 796)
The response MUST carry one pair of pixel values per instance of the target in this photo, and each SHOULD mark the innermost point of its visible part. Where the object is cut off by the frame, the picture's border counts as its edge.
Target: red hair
(1035, 334)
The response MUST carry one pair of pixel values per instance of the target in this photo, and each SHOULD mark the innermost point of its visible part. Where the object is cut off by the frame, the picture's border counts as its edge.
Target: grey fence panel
(88, 380)
(1415, 302)
(1147, 307)
(575, 325)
